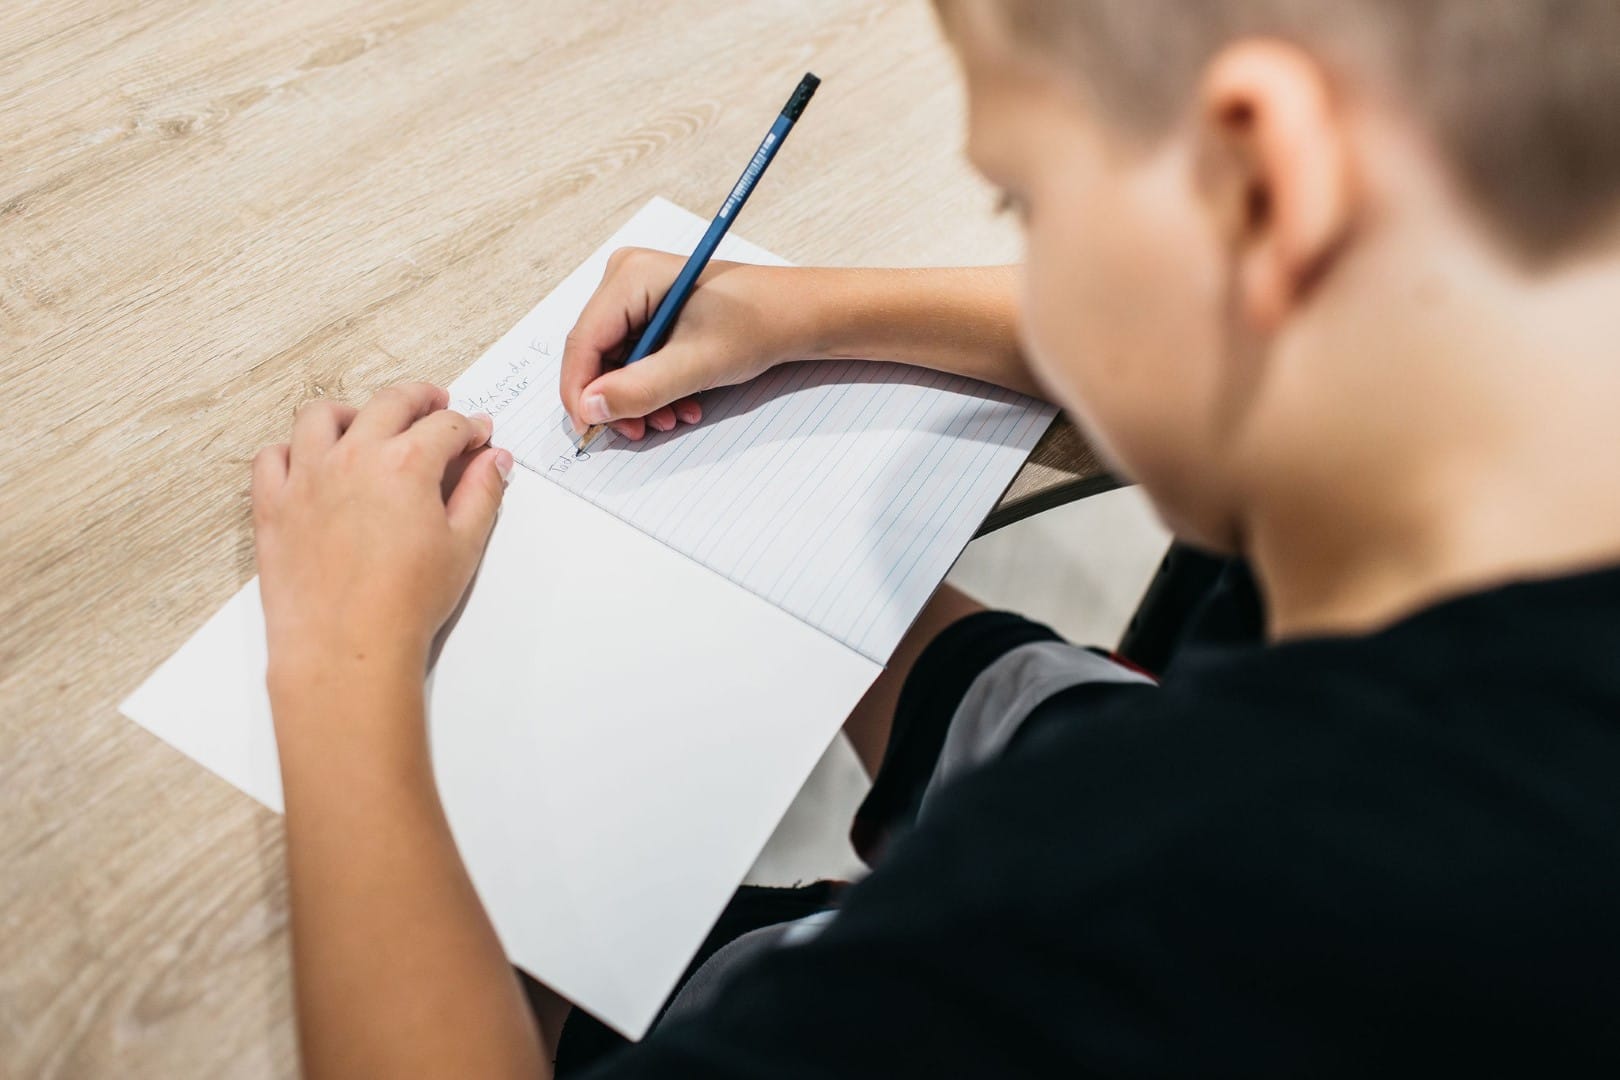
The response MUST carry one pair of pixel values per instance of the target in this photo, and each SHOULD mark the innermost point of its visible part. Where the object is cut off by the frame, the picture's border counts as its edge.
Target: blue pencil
(663, 319)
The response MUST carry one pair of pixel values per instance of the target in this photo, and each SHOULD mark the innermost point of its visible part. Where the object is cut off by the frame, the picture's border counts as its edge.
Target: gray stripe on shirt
(999, 701)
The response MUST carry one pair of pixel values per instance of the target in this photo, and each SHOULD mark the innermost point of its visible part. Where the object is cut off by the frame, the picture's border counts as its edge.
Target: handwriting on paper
(565, 462)
(502, 393)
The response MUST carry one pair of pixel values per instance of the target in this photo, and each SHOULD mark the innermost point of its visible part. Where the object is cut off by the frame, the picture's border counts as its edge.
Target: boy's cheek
(1103, 310)
(1120, 319)
(1076, 357)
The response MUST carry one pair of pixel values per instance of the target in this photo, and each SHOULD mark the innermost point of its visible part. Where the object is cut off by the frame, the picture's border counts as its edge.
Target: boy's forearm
(397, 970)
(958, 319)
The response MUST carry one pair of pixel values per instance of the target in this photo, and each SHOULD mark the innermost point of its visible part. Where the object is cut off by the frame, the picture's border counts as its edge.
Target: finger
(446, 435)
(269, 473)
(620, 304)
(393, 409)
(689, 410)
(582, 362)
(671, 373)
(605, 324)
(477, 496)
(634, 429)
(317, 426)
(662, 419)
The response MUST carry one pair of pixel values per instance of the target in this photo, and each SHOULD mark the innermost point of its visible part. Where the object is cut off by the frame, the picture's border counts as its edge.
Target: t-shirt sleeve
(939, 679)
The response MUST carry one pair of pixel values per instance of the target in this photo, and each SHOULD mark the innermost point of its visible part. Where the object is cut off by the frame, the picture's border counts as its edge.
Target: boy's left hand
(368, 526)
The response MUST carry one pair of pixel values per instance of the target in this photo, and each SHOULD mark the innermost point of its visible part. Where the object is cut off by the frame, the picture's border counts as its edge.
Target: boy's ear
(1275, 167)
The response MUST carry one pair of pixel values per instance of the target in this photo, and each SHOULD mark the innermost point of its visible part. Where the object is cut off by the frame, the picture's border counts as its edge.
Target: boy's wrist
(806, 311)
(350, 683)
(824, 310)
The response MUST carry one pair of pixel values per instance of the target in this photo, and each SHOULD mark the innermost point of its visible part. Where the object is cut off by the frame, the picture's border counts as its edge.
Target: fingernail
(595, 409)
(503, 464)
(486, 420)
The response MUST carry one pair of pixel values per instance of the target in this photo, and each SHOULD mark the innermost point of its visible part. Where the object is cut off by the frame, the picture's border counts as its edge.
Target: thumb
(477, 496)
(665, 377)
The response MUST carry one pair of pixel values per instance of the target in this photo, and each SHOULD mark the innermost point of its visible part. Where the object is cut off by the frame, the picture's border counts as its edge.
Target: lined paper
(839, 491)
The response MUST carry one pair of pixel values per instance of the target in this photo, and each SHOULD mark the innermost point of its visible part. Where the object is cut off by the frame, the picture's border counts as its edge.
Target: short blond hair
(1521, 96)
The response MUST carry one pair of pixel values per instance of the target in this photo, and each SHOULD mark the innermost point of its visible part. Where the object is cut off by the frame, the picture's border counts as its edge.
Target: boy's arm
(397, 970)
(961, 319)
(743, 320)
(872, 720)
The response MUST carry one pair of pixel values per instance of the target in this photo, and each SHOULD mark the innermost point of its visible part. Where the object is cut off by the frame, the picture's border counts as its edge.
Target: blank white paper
(615, 732)
(840, 491)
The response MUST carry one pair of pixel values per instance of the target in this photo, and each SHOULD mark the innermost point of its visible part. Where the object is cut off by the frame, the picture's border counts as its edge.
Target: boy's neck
(1470, 437)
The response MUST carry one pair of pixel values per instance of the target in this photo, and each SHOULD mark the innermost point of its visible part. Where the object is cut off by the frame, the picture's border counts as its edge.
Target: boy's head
(1260, 232)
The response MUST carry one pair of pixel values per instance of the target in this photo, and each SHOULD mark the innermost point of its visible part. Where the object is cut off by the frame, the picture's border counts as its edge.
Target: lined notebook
(839, 491)
(662, 638)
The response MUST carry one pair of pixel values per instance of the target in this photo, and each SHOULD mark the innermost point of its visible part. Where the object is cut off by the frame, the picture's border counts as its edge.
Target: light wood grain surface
(211, 212)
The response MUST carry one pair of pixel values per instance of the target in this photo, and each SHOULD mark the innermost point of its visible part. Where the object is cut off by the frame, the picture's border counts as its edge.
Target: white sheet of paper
(634, 691)
(610, 766)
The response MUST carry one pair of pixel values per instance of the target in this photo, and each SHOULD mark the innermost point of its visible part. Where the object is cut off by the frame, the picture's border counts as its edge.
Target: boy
(1336, 283)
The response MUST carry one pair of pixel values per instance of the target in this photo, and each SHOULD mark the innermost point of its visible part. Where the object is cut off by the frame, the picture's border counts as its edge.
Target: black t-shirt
(1328, 857)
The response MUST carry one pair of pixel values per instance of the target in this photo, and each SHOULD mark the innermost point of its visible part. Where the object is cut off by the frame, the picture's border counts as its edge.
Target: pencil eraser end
(801, 96)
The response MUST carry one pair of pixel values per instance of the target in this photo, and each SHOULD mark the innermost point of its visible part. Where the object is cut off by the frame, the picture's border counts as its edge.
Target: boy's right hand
(739, 322)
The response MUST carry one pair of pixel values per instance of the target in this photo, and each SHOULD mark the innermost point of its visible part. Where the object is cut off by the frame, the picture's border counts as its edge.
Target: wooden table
(211, 212)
